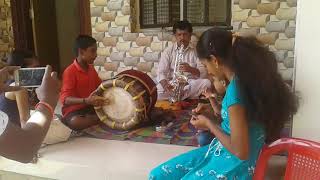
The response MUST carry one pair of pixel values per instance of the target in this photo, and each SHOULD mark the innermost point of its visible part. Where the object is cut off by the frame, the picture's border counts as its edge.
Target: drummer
(80, 80)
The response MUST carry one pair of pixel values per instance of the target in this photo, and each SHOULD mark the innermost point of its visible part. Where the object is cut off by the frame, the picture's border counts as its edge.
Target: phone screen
(29, 77)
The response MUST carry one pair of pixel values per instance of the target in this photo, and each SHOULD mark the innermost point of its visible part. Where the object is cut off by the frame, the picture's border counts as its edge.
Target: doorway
(48, 28)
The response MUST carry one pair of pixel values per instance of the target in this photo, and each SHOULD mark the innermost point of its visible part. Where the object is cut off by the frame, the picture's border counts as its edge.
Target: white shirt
(3, 122)
(168, 58)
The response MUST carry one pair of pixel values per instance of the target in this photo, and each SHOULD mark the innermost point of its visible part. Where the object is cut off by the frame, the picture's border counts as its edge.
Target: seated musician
(190, 65)
(80, 80)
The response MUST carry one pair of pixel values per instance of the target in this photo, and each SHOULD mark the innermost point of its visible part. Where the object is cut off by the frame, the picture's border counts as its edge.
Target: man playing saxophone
(181, 55)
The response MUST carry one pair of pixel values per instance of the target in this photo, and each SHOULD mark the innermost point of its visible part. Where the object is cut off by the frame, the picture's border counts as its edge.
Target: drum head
(121, 107)
(131, 97)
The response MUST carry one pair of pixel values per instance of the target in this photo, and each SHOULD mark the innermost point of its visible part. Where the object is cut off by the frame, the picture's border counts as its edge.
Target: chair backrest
(303, 159)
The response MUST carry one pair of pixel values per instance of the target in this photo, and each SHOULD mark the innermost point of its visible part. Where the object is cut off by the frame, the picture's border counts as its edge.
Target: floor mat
(180, 133)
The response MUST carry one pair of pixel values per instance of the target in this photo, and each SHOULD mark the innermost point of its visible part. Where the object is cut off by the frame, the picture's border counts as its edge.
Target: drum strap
(113, 124)
(153, 89)
(114, 82)
(141, 109)
(102, 87)
(104, 118)
(144, 109)
(140, 80)
(133, 120)
(97, 107)
(139, 95)
(129, 84)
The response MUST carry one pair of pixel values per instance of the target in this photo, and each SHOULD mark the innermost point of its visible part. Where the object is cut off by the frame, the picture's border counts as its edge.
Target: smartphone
(29, 77)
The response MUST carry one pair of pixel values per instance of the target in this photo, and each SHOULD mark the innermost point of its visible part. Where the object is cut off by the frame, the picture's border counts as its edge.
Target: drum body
(132, 95)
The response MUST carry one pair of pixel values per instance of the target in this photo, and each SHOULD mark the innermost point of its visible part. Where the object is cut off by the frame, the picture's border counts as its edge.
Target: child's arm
(22, 100)
(213, 102)
(74, 100)
(91, 100)
(215, 105)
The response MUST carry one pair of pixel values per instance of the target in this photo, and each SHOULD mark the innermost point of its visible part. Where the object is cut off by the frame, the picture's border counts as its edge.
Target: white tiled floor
(88, 158)
(96, 159)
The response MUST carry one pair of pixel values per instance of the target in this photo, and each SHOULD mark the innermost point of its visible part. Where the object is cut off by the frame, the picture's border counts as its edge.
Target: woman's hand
(208, 94)
(50, 88)
(200, 122)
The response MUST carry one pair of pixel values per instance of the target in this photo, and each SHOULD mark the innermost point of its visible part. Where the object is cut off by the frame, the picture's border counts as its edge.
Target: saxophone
(179, 80)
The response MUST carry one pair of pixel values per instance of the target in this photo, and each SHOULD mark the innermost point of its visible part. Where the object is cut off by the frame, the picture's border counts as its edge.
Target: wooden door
(45, 32)
(22, 25)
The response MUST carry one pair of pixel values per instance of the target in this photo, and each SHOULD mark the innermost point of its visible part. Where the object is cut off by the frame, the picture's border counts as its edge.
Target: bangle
(47, 106)
(84, 101)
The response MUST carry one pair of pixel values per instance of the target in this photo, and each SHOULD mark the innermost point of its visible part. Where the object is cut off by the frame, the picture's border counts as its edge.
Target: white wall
(306, 123)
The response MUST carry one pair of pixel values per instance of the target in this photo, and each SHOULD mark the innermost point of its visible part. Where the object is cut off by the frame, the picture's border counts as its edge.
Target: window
(163, 13)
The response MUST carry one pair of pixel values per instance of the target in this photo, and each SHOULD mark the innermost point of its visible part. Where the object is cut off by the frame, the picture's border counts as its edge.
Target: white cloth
(58, 132)
(193, 90)
(166, 67)
(167, 62)
(3, 122)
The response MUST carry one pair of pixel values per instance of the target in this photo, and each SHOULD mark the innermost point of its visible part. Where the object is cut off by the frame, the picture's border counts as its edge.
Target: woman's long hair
(270, 101)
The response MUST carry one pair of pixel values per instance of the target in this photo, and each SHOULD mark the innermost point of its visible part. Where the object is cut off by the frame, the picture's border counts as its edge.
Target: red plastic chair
(303, 159)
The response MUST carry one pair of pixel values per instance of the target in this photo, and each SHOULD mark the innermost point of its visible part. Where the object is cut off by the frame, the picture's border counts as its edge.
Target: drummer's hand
(95, 100)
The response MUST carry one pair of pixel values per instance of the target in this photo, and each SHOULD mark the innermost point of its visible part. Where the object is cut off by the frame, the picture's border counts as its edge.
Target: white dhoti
(193, 90)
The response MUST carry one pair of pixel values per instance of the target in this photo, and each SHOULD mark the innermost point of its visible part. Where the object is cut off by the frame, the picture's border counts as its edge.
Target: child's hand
(200, 122)
(208, 93)
(96, 100)
(198, 109)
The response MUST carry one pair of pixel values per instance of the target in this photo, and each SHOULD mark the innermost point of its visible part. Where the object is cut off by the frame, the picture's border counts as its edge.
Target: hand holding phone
(50, 88)
(29, 77)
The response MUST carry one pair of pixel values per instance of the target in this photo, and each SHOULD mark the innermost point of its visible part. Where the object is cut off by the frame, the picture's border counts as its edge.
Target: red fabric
(78, 83)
